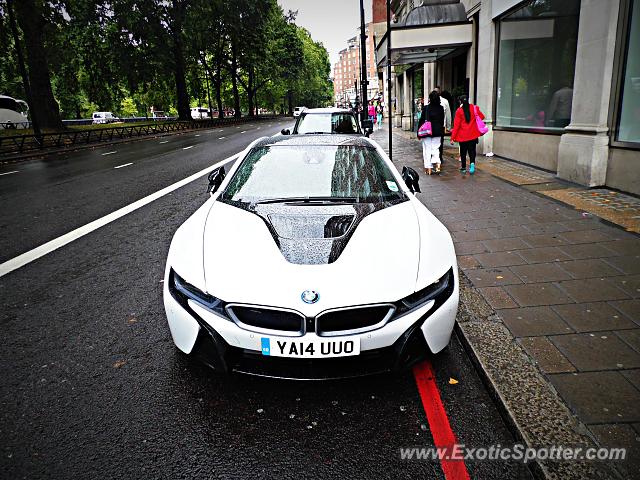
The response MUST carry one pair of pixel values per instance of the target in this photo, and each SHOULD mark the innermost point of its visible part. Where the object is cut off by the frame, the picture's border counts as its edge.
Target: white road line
(197, 135)
(164, 141)
(110, 153)
(125, 165)
(243, 131)
(9, 173)
(28, 257)
(221, 138)
(259, 128)
(187, 148)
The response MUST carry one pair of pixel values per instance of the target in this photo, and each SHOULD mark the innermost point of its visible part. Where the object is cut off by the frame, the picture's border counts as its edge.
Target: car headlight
(439, 291)
(182, 290)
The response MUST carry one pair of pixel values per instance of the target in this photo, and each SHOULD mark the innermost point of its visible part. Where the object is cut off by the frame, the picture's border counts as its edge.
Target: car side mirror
(285, 131)
(411, 179)
(368, 132)
(215, 180)
(367, 125)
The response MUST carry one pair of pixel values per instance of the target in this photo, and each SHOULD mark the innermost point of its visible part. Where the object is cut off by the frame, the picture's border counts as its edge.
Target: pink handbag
(425, 130)
(482, 127)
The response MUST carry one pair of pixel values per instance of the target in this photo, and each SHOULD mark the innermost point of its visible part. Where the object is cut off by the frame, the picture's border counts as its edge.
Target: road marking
(28, 257)
(197, 135)
(261, 127)
(443, 436)
(125, 165)
(243, 131)
(221, 138)
(187, 148)
(110, 153)
(9, 173)
(164, 141)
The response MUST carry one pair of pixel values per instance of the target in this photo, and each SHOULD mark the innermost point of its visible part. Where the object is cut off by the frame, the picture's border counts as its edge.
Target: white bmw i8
(312, 259)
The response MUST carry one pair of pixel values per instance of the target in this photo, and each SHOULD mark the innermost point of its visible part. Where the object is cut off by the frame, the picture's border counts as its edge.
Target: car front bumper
(226, 347)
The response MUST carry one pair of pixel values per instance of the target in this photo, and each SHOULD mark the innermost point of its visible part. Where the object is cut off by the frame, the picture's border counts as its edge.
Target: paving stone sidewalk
(565, 285)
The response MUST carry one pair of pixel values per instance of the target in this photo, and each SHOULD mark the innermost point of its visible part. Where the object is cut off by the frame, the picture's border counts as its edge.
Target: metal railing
(19, 144)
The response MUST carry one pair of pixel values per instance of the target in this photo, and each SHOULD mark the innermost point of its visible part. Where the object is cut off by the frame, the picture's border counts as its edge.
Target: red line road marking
(443, 436)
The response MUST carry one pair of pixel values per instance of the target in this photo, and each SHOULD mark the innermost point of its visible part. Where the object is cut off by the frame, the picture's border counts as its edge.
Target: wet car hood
(350, 254)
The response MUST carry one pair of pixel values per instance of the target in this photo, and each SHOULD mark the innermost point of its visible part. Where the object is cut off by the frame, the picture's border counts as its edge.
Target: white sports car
(312, 259)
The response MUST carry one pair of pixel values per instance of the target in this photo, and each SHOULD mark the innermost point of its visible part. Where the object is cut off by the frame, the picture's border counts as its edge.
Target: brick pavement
(565, 285)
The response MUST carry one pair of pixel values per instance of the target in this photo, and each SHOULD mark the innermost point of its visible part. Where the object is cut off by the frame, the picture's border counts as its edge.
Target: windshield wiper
(309, 200)
(316, 133)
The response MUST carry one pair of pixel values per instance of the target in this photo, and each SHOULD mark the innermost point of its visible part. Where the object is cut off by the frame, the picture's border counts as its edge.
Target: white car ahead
(312, 259)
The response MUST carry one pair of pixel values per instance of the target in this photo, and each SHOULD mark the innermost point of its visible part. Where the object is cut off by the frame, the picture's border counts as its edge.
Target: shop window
(536, 65)
(629, 122)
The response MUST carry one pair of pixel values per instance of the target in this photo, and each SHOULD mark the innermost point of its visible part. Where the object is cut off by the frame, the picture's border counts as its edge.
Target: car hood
(349, 254)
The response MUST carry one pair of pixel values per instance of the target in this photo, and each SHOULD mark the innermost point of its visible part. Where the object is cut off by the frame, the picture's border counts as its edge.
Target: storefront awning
(428, 33)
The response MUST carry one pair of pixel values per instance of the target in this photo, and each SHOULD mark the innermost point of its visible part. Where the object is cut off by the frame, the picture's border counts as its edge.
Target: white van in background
(13, 113)
(104, 117)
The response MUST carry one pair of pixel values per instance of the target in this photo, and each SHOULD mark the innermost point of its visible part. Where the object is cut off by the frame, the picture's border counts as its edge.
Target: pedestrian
(379, 113)
(432, 113)
(466, 132)
(447, 119)
(372, 112)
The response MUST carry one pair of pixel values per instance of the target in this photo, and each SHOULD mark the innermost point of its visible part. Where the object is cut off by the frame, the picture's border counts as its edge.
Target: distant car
(104, 117)
(328, 120)
(13, 113)
(159, 115)
(200, 113)
(350, 274)
(298, 110)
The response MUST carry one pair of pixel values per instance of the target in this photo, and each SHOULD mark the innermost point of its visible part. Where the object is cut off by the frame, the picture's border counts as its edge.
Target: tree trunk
(234, 82)
(184, 112)
(250, 92)
(44, 109)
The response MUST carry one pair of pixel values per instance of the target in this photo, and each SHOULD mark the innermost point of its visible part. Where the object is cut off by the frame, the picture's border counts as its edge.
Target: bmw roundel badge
(310, 296)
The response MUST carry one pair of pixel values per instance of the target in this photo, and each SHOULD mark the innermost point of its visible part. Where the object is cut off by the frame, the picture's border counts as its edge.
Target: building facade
(347, 71)
(559, 80)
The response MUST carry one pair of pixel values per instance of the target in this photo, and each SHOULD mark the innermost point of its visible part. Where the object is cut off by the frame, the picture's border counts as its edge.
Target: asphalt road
(92, 386)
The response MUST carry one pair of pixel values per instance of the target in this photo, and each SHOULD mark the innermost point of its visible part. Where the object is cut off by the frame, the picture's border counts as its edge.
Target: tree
(43, 107)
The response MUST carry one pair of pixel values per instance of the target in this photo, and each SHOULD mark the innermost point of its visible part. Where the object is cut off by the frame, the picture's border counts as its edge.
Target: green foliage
(123, 56)
(128, 107)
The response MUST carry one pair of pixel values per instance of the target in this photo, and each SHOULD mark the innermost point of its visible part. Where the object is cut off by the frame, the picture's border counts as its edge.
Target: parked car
(159, 115)
(104, 117)
(13, 113)
(200, 113)
(328, 120)
(297, 111)
(350, 273)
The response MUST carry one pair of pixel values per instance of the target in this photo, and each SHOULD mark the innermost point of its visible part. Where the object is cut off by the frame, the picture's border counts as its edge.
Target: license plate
(312, 348)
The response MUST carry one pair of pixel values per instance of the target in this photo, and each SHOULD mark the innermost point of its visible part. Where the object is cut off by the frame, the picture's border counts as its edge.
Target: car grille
(353, 320)
(267, 318)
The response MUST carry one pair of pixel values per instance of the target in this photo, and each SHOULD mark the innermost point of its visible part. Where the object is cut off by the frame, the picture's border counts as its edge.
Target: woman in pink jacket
(466, 133)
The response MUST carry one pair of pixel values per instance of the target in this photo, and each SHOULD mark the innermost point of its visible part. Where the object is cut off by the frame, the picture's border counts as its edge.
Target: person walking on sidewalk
(466, 132)
(379, 114)
(433, 113)
(371, 111)
(447, 119)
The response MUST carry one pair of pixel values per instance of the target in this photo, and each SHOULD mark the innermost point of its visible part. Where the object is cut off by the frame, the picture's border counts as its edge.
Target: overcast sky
(331, 22)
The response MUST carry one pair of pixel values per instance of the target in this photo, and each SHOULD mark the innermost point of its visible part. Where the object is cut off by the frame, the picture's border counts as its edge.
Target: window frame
(496, 63)
(619, 70)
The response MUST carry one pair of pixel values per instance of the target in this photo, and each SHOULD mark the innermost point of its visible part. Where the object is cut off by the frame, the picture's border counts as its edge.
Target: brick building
(347, 71)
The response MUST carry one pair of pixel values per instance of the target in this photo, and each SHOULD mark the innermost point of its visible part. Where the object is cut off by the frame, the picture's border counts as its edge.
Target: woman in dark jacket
(434, 113)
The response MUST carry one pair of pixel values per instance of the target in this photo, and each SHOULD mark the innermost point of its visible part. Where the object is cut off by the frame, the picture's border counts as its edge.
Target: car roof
(310, 139)
(326, 110)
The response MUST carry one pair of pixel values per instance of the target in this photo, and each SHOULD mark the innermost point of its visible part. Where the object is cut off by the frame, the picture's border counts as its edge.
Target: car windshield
(326, 123)
(313, 172)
